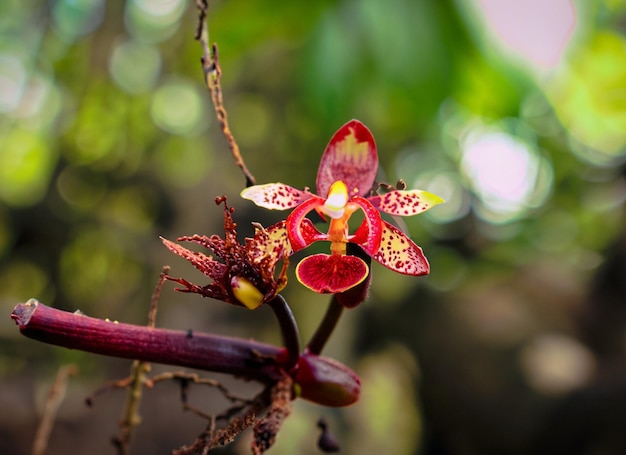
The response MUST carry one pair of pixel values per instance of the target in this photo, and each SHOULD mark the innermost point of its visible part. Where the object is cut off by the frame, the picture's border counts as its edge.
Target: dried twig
(212, 437)
(130, 415)
(212, 75)
(53, 401)
(185, 378)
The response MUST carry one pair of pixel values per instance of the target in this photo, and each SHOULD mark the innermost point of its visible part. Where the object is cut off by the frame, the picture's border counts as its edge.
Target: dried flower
(245, 274)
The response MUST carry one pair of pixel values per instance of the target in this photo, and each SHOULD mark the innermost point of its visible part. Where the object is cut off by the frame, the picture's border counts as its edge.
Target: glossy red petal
(326, 274)
(275, 196)
(405, 203)
(369, 233)
(351, 157)
(301, 231)
(398, 253)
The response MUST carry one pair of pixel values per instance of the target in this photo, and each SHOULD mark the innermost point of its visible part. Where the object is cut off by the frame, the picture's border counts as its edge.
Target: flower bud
(325, 381)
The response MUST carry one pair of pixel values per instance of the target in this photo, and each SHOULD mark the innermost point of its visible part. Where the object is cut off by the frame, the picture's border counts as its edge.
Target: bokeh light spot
(177, 109)
(552, 24)
(555, 364)
(12, 81)
(153, 20)
(135, 66)
(74, 18)
(26, 163)
(589, 97)
(504, 172)
(23, 278)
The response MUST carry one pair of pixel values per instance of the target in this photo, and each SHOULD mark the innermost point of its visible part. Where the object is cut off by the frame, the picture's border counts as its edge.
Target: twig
(212, 437)
(212, 75)
(53, 401)
(183, 376)
(130, 415)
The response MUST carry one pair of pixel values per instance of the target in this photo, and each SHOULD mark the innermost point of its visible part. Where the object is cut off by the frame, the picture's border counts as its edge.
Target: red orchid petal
(301, 231)
(325, 273)
(405, 203)
(369, 233)
(275, 196)
(398, 253)
(351, 157)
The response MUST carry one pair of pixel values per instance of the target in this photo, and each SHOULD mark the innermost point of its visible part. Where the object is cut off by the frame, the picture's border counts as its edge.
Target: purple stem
(240, 357)
(289, 330)
(326, 327)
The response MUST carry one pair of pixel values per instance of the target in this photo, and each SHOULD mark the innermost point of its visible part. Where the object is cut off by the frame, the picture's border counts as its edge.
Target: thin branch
(194, 378)
(130, 415)
(55, 397)
(212, 437)
(212, 75)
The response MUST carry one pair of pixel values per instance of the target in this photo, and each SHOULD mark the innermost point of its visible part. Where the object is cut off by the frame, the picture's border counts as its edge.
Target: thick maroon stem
(240, 357)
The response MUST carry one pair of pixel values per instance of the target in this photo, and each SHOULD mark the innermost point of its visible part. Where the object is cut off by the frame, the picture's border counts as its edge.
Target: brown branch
(250, 359)
(212, 75)
(55, 397)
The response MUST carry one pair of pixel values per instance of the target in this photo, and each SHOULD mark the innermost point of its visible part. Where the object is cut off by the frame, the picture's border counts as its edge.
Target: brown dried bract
(255, 260)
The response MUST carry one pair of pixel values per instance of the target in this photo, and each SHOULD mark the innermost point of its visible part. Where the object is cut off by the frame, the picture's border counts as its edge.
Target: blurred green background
(514, 111)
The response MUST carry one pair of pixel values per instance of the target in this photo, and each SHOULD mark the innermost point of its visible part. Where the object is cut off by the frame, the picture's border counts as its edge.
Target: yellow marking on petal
(336, 201)
(246, 292)
(353, 149)
(431, 199)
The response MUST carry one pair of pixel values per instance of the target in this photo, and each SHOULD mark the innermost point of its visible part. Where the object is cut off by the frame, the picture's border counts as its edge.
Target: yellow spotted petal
(275, 196)
(398, 253)
(405, 203)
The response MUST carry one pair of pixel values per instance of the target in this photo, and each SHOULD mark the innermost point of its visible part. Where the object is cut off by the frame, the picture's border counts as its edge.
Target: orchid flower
(345, 179)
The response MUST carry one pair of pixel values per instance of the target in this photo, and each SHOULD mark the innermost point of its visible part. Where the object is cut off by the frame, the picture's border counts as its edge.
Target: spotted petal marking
(271, 242)
(275, 196)
(398, 253)
(405, 203)
(350, 157)
(323, 273)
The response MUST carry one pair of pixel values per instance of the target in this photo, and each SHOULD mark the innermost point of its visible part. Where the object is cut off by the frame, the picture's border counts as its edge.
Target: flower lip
(335, 204)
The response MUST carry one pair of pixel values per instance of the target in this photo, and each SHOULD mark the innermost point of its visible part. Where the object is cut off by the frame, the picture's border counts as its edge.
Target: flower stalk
(288, 329)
